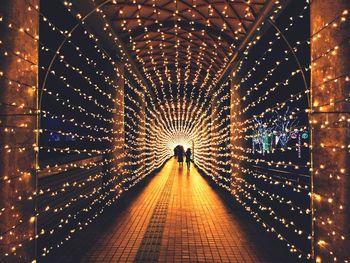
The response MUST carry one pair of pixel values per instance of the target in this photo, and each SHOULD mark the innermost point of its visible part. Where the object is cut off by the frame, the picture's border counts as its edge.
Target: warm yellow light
(321, 243)
(317, 197)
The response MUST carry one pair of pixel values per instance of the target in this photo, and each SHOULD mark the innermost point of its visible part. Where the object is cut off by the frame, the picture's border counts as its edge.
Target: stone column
(18, 103)
(330, 119)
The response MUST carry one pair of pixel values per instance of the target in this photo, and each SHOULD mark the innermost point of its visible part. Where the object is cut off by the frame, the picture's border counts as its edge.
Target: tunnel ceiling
(184, 41)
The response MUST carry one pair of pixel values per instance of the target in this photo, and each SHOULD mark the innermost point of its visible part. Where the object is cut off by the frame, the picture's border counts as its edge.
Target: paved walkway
(176, 217)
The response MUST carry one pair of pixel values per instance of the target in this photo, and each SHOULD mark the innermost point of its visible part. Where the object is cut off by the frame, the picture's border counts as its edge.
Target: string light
(160, 114)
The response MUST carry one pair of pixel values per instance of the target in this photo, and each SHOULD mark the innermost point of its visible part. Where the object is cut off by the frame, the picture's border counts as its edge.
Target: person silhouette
(188, 158)
(180, 155)
(175, 151)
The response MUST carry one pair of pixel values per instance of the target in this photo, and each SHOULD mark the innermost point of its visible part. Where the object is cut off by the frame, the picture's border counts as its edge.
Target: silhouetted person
(175, 151)
(188, 158)
(180, 155)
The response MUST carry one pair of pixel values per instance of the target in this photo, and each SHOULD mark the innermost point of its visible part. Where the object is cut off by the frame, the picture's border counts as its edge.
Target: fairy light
(193, 112)
(330, 238)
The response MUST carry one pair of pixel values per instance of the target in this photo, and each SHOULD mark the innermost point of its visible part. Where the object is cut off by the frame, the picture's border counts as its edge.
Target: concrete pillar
(18, 104)
(330, 119)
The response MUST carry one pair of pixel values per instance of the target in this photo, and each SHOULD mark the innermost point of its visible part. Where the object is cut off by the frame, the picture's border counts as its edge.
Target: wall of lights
(135, 136)
(270, 131)
(82, 107)
(220, 167)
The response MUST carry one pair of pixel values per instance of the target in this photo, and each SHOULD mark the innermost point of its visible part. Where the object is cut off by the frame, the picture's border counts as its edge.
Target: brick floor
(176, 217)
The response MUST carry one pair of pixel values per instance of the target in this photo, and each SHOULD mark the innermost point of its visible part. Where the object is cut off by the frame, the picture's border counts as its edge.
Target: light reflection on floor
(194, 225)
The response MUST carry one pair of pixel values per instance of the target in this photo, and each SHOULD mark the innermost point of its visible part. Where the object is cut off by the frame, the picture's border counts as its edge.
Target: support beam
(214, 147)
(235, 134)
(118, 126)
(18, 122)
(141, 139)
(330, 120)
(111, 41)
(253, 30)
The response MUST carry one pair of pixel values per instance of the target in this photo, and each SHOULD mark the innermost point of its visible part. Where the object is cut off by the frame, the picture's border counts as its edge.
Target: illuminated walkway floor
(176, 217)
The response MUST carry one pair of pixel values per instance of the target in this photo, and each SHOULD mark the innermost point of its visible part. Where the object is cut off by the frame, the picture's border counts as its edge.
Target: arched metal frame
(229, 23)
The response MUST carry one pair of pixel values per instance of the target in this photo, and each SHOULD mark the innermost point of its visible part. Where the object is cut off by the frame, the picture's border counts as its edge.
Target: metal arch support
(295, 57)
(82, 20)
(258, 22)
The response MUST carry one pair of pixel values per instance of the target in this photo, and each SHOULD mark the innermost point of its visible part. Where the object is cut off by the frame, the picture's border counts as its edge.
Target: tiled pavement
(176, 217)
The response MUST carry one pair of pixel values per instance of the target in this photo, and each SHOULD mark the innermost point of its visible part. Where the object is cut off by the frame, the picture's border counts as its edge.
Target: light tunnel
(96, 94)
